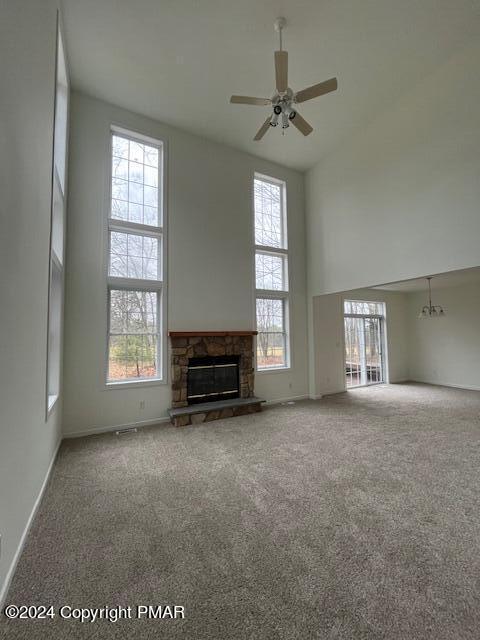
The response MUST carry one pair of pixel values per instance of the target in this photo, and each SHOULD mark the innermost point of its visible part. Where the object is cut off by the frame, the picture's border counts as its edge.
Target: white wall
(446, 350)
(210, 260)
(327, 350)
(27, 441)
(401, 198)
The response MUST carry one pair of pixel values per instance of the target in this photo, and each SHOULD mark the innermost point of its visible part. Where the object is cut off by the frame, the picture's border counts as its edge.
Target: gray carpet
(355, 517)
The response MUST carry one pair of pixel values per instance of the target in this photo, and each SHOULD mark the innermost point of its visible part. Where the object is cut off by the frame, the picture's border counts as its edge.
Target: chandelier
(431, 310)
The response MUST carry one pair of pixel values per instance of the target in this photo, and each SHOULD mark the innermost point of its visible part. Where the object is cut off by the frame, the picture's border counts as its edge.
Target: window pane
(364, 308)
(136, 151)
(119, 168)
(151, 176)
(57, 221)
(134, 256)
(54, 330)
(150, 215)
(135, 192)
(119, 147)
(135, 172)
(151, 156)
(268, 214)
(120, 209)
(132, 356)
(133, 335)
(61, 114)
(134, 181)
(150, 196)
(119, 189)
(271, 339)
(271, 272)
(133, 311)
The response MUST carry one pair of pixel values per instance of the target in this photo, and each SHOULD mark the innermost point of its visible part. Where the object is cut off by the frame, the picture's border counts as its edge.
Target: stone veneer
(225, 344)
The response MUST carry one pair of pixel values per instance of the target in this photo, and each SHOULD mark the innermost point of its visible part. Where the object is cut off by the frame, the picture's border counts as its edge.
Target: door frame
(383, 346)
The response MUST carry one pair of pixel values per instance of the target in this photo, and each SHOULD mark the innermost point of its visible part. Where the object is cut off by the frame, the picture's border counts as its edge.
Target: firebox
(211, 378)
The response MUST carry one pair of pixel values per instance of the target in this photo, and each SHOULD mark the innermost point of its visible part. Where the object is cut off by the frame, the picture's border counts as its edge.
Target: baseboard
(116, 427)
(333, 393)
(315, 397)
(13, 565)
(466, 387)
(270, 403)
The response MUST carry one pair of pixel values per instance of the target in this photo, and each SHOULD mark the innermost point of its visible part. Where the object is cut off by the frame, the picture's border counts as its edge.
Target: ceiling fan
(285, 100)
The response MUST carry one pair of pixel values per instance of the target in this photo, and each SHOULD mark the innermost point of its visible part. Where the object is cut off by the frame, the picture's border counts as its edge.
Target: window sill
(273, 370)
(126, 384)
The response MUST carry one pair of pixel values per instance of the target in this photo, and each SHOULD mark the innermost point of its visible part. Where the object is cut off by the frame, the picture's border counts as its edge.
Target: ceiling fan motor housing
(282, 106)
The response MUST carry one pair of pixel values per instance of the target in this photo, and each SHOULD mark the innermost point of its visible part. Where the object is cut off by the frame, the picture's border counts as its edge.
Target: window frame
(274, 294)
(56, 262)
(158, 286)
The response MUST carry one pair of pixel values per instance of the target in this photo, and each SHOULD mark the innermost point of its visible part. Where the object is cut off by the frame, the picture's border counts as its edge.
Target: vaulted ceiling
(179, 61)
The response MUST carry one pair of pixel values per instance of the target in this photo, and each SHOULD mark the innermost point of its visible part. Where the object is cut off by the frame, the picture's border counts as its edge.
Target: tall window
(57, 228)
(271, 273)
(135, 259)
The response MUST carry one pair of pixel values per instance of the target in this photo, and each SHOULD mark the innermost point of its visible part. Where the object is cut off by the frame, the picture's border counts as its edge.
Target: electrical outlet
(142, 404)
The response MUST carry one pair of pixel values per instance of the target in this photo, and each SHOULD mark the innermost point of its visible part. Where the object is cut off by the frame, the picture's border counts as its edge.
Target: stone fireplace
(212, 375)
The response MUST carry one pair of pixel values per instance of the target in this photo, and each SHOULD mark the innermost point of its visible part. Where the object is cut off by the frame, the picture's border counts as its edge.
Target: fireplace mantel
(201, 334)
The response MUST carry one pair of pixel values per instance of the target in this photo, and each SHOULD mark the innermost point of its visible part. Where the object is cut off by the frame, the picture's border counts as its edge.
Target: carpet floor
(353, 517)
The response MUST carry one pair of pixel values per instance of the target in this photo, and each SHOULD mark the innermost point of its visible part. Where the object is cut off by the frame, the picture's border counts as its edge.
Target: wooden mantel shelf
(194, 334)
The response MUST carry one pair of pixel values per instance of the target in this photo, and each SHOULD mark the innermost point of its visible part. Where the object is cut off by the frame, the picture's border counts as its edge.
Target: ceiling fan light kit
(284, 100)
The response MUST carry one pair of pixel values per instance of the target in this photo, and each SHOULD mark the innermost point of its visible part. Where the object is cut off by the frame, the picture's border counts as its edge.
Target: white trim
(273, 370)
(270, 403)
(273, 294)
(160, 231)
(13, 565)
(60, 46)
(118, 385)
(135, 136)
(130, 425)
(125, 226)
(466, 387)
(263, 248)
(132, 284)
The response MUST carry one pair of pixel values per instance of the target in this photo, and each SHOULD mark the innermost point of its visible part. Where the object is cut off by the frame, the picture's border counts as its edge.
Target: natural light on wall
(271, 273)
(135, 259)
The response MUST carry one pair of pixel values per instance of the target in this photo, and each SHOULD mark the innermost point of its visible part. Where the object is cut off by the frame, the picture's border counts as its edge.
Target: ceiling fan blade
(261, 102)
(317, 90)
(281, 70)
(263, 129)
(301, 124)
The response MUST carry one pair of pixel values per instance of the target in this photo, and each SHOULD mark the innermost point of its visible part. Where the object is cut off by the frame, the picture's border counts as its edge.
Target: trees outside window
(135, 259)
(271, 273)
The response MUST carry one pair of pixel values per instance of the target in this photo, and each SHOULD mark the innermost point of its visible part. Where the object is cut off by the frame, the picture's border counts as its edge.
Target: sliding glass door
(364, 353)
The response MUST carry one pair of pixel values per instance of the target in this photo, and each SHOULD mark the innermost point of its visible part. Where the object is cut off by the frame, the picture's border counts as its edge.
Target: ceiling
(440, 281)
(180, 60)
